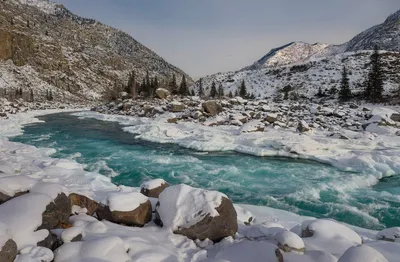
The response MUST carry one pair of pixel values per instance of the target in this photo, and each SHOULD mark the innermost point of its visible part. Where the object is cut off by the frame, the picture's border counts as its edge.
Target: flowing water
(302, 187)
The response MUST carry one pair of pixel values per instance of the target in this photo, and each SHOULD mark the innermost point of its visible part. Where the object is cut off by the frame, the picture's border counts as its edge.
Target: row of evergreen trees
(219, 92)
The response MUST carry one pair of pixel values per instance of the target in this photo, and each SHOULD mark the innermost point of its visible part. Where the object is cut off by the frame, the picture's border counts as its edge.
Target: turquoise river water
(302, 187)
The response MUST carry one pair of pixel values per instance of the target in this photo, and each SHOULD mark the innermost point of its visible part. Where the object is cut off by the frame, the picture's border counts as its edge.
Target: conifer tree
(213, 91)
(173, 87)
(320, 94)
(201, 90)
(230, 95)
(236, 93)
(183, 89)
(192, 93)
(344, 92)
(220, 91)
(374, 89)
(31, 96)
(243, 90)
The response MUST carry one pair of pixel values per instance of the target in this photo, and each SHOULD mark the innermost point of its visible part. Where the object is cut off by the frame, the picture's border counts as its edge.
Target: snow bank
(183, 206)
(365, 152)
(16, 184)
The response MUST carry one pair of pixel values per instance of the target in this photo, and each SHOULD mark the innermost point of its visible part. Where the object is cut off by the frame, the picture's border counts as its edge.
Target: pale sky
(208, 36)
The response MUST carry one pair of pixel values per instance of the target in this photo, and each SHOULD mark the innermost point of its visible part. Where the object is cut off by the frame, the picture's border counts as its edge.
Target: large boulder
(153, 188)
(162, 93)
(84, 202)
(196, 213)
(57, 213)
(131, 209)
(176, 106)
(8, 251)
(212, 107)
(395, 117)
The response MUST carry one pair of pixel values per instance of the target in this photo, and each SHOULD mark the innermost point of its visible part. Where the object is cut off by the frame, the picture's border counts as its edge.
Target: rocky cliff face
(76, 58)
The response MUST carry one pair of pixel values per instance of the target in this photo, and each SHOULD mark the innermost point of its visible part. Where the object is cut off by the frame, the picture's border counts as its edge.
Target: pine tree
(201, 90)
(374, 89)
(192, 93)
(243, 90)
(230, 95)
(132, 87)
(213, 91)
(236, 93)
(173, 87)
(183, 89)
(31, 96)
(344, 92)
(220, 91)
(320, 94)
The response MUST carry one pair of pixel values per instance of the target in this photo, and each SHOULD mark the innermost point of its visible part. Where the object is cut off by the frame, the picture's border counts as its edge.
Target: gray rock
(8, 251)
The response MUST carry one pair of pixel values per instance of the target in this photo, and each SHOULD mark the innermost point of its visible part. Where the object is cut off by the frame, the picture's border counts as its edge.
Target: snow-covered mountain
(385, 35)
(304, 68)
(288, 54)
(44, 46)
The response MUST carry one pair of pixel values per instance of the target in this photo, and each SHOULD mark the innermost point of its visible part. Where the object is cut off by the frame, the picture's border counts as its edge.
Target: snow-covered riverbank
(26, 168)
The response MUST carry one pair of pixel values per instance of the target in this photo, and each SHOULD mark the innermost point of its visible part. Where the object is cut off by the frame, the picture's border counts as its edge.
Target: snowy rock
(131, 209)
(153, 188)
(176, 106)
(395, 117)
(250, 251)
(83, 202)
(289, 241)
(162, 93)
(329, 235)
(271, 118)
(13, 186)
(35, 254)
(389, 234)
(362, 253)
(252, 126)
(303, 126)
(8, 251)
(212, 107)
(196, 213)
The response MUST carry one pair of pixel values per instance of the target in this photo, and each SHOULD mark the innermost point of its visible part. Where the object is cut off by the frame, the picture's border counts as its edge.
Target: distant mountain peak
(293, 52)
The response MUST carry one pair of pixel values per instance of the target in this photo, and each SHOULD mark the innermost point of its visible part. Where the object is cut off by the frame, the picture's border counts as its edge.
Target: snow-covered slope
(288, 54)
(69, 53)
(306, 78)
(303, 68)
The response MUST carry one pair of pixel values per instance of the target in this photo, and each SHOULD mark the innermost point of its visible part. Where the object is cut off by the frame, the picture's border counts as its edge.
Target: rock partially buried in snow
(153, 188)
(303, 126)
(212, 107)
(176, 106)
(251, 251)
(253, 126)
(8, 251)
(289, 241)
(84, 202)
(196, 213)
(131, 209)
(309, 256)
(329, 235)
(389, 234)
(362, 253)
(162, 93)
(14, 186)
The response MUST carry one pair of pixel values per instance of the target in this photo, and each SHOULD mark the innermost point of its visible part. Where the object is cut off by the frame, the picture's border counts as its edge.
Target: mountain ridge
(75, 57)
